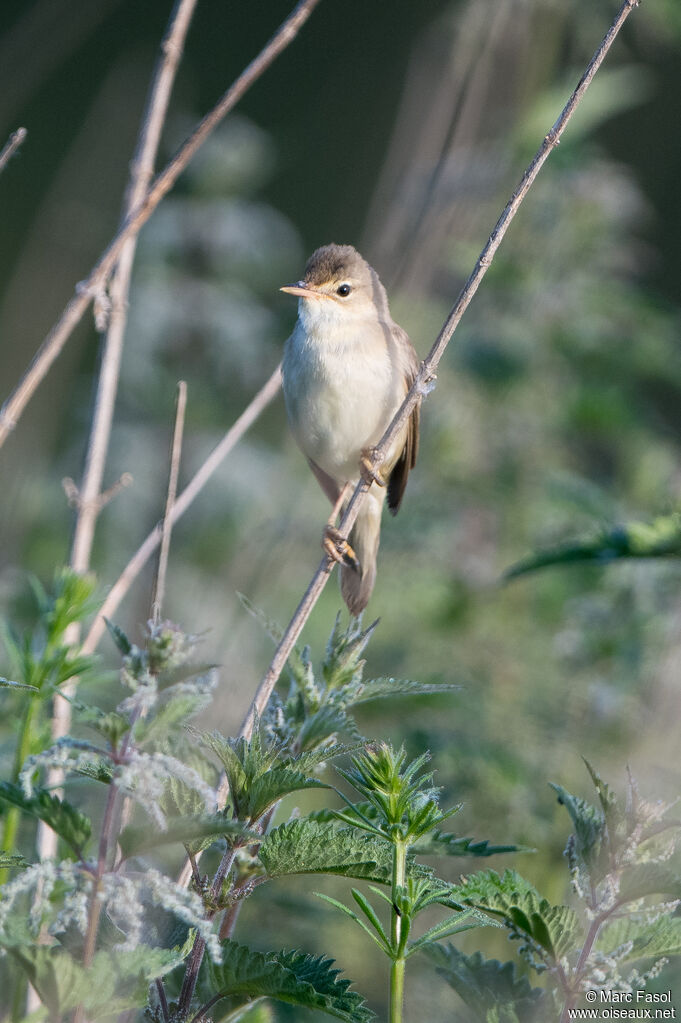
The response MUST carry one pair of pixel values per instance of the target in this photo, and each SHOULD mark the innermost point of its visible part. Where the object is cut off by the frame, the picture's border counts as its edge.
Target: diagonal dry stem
(11, 146)
(424, 379)
(139, 559)
(92, 287)
(167, 524)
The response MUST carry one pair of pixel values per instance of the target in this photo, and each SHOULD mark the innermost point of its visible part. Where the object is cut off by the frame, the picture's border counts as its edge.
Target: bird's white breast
(341, 388)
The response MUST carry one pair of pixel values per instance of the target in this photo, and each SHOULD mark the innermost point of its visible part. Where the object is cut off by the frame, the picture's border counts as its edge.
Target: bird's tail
(356, 584)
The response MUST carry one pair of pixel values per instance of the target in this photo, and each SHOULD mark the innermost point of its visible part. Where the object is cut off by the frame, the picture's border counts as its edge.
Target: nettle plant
(104, 931)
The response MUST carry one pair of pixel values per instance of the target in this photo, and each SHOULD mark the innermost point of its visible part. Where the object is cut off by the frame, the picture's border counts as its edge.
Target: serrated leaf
(290, 977)
(120, 639)
(322, 724)
(259, 774)
(440, 843)
(9, 860)
(117, 980)
(487, 984)
(110, 724)
(273, 786)
(97, 769)
(641, 879)
(190, 831)
(516, 901)
(309, 847)
(661, 538)
(613, 813)
(465, 920)
(589, 826)
(646, 939)
(382, 688)
(68, 822)
(6, 683)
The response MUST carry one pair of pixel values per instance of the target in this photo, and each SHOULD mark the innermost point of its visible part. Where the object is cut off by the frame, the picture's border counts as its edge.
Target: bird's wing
(409, 361)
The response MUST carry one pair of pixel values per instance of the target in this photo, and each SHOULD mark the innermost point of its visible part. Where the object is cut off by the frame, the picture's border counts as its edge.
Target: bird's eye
(344, 290)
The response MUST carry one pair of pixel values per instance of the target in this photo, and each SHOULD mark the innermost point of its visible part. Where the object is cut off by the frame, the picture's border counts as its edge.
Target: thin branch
(11, 146)
(141, 171)
(163, 1001)
(167, 524)
(426, 375)
(94, 285)
(90, 500)
(139, 559)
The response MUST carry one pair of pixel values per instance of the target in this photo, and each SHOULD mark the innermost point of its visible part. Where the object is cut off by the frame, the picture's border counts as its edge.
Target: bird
(346, 370)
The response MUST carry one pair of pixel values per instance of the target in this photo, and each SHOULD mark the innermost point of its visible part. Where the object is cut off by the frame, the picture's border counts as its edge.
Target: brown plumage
(347, 368)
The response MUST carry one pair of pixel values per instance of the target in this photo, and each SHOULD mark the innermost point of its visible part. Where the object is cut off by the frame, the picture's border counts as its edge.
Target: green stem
(396, 990)
(13, 816)
(397, 969)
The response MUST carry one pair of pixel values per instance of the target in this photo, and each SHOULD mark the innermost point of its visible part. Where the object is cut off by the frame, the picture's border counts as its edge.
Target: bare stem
(426, 375)
(596, 925)
(89, 499)
(196, 955)
(163, 1001)
(137, 562)
(92, 287)
(167, 524)
(10, 147)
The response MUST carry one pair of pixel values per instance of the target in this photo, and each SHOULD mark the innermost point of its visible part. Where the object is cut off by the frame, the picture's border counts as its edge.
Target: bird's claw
(338, 549)
(367, 470)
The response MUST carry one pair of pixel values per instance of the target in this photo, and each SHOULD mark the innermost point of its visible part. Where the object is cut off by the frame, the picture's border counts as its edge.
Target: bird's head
(338, 286)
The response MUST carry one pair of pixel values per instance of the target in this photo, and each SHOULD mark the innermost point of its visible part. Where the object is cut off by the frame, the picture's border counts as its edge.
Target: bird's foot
(367, 470)
(338, 549)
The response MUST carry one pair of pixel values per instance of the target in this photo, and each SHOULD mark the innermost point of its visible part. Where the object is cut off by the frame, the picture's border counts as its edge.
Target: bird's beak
(301, 291)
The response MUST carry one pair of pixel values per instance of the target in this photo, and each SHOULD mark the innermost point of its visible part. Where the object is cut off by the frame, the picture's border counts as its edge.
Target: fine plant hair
(85, 928)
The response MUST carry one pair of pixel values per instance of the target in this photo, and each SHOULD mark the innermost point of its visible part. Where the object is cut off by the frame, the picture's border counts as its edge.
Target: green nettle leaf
(68, 822)
(273, 786)
(111, 725)
(120, 639)
(646, 939)
(320, 725)
(386, 688)
(8, 860)
(291, 977)
(190, 831)
(5, 683)
(641, 879)
(309, 847)
(661, 538)
(553, 928)
(259, 774)
(99, 769)
(117, 980)
(588, 823)
(168, 718)
(440, 843)
(486, 985)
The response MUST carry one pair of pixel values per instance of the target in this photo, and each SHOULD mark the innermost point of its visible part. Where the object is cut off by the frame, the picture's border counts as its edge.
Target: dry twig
(167, 524)
(139, 559)
(86, 291)
(11, 146)
(424, 380)
(89, 498)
